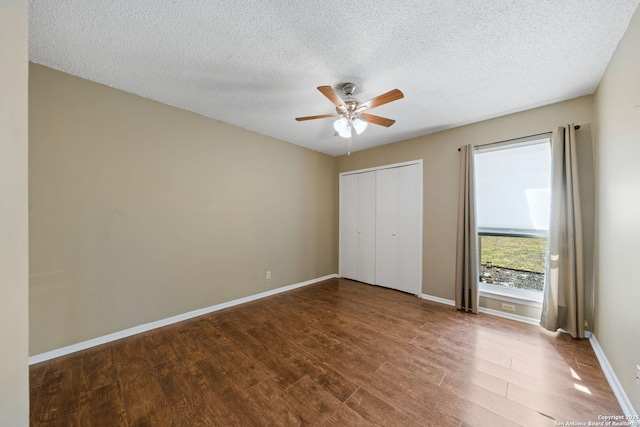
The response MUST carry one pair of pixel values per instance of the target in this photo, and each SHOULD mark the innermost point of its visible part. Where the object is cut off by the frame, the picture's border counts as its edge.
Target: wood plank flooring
(337, 353)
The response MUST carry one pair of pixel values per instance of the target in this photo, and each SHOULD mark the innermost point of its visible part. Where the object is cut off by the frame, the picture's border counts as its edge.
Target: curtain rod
(576, 127)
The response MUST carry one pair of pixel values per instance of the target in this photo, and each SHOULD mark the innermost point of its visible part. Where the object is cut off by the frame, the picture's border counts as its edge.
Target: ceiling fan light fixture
(346, 133)
(359, 125)
(340, 124)
(343, 127)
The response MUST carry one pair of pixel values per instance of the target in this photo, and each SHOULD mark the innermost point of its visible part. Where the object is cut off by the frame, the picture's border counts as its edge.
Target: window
(513, 206)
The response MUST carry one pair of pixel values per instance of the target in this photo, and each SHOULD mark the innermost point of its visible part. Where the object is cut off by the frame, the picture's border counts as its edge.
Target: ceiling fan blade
(377, 120)
(332, 96)
(385, 98)
(321, 116)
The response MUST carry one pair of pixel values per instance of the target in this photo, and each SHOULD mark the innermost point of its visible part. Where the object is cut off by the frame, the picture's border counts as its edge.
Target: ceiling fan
(351, 112)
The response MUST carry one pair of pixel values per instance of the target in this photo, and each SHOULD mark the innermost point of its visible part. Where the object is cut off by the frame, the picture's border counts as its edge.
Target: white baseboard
(484, 310)
(168, 321)
(438, 299)
(611, 377)
(510, 316)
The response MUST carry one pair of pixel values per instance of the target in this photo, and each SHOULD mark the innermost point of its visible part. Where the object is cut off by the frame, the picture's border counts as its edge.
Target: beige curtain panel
(467, 274)
(564, 294)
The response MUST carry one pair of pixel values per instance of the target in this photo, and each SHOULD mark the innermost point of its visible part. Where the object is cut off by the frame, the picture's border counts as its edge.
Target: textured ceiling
(256, 63)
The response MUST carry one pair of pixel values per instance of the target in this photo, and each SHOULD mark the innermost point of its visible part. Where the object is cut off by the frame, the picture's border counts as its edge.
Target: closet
(381, 226)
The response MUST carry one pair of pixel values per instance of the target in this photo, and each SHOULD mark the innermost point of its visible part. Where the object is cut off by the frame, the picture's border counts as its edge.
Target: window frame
(514, 295)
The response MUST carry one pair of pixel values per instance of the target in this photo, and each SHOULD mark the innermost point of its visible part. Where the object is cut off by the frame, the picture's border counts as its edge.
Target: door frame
(418, 162)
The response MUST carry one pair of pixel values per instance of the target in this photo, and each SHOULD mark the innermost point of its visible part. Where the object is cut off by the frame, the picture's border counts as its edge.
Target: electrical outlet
(508, 307)
(269, 275)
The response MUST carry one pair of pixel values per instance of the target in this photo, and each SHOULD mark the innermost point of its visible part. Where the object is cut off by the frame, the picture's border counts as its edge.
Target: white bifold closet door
(381, 227)
(398, 221)
(358, 227)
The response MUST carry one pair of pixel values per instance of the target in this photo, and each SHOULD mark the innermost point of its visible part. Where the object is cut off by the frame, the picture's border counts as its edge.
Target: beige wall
(140, 211)
(617, 111)
(440, 156)
(14, 376)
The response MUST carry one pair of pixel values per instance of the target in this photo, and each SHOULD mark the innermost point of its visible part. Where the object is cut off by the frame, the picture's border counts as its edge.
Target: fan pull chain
(349, 146)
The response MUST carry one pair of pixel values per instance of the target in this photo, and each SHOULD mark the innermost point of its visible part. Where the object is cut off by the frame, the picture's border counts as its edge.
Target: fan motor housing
(352, 105)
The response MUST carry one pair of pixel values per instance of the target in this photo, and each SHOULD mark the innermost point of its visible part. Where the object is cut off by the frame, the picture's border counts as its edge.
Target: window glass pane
(512, 187)
(513, 262)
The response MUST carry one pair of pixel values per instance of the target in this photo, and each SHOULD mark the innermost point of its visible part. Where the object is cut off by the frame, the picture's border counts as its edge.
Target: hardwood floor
(335, 353)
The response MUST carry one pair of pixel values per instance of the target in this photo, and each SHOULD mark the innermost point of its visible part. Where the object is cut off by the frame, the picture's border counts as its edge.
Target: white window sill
(515, 296)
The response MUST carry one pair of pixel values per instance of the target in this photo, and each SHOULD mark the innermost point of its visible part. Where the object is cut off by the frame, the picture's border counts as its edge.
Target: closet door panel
(409, 226)
(366, 249)
(386, 228)
(349, 226)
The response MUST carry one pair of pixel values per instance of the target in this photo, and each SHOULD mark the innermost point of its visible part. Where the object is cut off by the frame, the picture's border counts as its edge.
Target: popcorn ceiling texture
(256, 63)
